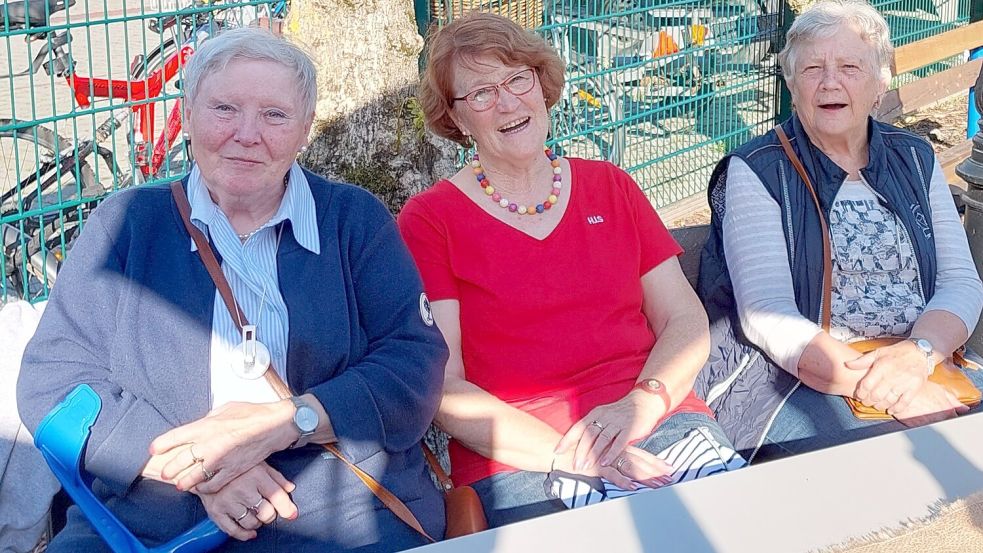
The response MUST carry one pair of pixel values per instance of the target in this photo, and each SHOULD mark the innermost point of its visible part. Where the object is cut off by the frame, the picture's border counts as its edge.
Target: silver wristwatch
(305, 420)
(925, 347)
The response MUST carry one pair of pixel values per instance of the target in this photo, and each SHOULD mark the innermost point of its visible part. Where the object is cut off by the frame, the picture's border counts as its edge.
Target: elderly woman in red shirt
(574, 335)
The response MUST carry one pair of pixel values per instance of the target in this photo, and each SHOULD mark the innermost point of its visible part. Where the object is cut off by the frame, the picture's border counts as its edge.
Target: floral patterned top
(876, 290)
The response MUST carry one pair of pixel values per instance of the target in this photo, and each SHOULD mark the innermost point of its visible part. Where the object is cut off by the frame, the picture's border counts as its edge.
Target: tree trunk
(368, 129)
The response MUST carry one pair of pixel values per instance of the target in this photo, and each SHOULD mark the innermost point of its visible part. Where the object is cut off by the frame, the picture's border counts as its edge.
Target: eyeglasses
(487, 96)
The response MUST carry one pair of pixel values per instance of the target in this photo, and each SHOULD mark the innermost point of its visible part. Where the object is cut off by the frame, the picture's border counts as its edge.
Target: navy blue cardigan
(131, 316)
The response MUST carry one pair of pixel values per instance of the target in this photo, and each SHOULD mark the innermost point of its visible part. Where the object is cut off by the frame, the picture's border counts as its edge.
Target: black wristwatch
(305, 420)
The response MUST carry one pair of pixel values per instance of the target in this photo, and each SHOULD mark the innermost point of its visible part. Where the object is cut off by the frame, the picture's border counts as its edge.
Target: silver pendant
(251, 358)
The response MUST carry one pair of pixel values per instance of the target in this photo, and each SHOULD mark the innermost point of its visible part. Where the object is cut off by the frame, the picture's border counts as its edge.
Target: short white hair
(825, 18)
(251, 43)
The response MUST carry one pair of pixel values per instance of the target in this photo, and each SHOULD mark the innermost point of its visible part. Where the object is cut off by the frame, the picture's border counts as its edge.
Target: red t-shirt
(553, 327)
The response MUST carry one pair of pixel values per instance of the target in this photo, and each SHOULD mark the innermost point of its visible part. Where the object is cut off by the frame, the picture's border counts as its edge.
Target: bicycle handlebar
(61, 64)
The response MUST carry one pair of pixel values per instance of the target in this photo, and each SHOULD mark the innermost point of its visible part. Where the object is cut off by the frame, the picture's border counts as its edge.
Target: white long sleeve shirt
(761, 276)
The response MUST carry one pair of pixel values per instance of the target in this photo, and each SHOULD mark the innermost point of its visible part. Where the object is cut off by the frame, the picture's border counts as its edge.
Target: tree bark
(367, 128)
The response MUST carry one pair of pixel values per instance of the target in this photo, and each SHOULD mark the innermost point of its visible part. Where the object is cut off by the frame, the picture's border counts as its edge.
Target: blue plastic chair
(61, 438)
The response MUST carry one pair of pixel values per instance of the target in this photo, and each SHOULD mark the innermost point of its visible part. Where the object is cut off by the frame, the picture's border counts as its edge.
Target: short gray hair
(825, 18)
(251, 43)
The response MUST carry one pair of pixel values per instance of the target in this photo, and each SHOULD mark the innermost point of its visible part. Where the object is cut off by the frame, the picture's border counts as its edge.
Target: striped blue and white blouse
(251, 270)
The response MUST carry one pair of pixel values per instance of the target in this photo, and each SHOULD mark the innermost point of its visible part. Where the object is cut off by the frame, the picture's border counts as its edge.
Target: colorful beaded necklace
(554, 196)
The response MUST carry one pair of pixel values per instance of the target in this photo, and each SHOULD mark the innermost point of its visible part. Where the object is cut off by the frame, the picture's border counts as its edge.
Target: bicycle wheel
(30, 155)
(587, 120)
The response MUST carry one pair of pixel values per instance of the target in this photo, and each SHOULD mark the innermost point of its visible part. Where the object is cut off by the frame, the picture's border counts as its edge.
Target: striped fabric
(697, 455)
(251, 270)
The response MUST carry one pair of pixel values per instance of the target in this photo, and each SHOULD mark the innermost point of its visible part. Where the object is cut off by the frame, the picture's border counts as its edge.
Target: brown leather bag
(465, 515)
(946, 373)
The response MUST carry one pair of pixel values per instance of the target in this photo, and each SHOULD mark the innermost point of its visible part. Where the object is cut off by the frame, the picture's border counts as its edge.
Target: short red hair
(474, 35)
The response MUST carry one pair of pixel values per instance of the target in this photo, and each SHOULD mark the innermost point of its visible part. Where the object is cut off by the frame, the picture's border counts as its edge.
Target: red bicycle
(53, 181)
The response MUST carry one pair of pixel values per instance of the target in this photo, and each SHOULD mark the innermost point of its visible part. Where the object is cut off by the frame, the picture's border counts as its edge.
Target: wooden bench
(691, 239)
(926, 91)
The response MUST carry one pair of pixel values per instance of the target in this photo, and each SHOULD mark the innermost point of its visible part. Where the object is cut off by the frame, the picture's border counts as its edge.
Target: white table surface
(797, 504)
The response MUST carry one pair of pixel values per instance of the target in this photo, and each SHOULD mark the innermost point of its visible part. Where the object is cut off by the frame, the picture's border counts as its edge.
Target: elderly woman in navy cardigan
(318, 268)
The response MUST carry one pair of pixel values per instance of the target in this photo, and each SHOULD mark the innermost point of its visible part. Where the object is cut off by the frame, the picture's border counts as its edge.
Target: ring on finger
(597, 424)
(621, 461)
(205, 472)
(255, 508)
(194, 457)
(244, 514)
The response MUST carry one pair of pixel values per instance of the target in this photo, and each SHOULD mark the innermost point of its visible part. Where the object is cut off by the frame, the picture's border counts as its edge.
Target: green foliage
(411, 107)
(419, 122)
(377, 177)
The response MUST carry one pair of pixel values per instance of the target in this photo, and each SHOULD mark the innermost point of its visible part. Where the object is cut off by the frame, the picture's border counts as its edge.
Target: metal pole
(971, 170)
(421, 10)
(784, 105)
(973, 112)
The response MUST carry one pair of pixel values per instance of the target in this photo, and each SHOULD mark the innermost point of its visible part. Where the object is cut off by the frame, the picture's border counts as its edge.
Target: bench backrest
(691, 239)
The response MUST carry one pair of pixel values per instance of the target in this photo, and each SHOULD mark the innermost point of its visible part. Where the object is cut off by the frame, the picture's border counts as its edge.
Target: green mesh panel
(647, 92)
(63, 151)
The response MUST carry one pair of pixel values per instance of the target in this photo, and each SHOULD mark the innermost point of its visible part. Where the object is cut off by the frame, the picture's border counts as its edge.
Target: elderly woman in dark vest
(900, 261)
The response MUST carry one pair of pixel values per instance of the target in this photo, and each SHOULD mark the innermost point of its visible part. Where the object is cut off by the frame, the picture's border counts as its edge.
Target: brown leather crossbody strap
(827, 250)
(445, 481)
(387, 498)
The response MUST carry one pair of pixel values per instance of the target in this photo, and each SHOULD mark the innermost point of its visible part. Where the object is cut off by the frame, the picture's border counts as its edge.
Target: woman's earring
(468, 141)
(186, 135)
(303, 149)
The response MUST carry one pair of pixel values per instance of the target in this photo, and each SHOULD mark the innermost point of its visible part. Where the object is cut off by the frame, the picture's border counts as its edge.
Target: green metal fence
(664, 88)
(91, 105)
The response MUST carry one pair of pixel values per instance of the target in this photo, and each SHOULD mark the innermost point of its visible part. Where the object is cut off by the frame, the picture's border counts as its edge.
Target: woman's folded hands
(221, 458)
(897, 382)
(224, 444)
(597, 445)
(895, 375)
(932, 403)
(254, 498)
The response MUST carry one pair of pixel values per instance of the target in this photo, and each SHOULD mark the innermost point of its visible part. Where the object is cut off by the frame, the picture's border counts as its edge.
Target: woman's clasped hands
(897, 382)
(598, 444)
(249, 501)
(221, 459)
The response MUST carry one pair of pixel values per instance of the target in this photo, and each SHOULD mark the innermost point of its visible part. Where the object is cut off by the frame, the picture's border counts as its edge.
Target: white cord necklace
(251, 358)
